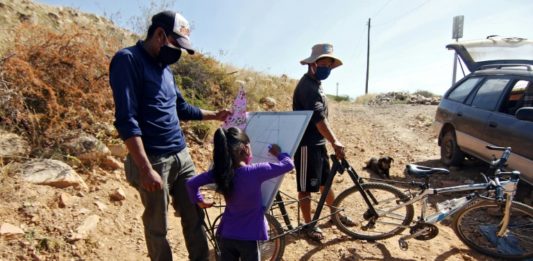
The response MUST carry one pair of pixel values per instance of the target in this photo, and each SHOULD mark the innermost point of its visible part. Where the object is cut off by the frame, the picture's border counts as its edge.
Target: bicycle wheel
(383, 198)
(211, 233)
(477, 225)
(272, 249)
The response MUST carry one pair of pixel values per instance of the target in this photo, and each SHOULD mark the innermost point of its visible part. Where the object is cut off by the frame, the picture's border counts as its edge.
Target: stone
(83, 230)
(109, 162)
(118, 194)
(84, 211)
(9, 230)
(118, 150)
(100, 205)
(268, 103)
(85, 147)
(52, 173)
(66, 200)
(13, 146)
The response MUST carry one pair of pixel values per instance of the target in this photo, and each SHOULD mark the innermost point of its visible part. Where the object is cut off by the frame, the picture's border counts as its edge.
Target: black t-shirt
(308, 95)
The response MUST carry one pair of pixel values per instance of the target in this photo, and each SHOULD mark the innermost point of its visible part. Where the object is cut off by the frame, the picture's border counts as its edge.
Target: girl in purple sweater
(243, 223)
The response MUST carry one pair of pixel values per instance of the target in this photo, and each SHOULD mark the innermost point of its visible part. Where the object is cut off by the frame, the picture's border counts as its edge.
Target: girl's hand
(202, 204)
(274, 149)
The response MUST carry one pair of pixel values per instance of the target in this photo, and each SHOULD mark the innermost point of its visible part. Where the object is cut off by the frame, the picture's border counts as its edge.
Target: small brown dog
(380, 166)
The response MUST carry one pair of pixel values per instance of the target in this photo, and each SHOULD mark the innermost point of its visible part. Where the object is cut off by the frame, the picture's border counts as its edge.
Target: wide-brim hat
(176, 26)
(321, 51)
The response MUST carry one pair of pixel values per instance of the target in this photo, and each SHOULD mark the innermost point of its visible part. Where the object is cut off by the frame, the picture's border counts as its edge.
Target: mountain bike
(338, 211)
(486, 219)
(273, 248)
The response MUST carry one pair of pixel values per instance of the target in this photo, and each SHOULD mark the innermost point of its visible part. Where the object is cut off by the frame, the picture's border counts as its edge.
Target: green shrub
(340, 98)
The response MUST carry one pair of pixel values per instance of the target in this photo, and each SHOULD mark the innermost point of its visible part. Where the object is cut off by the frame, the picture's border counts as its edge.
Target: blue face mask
(322, 72)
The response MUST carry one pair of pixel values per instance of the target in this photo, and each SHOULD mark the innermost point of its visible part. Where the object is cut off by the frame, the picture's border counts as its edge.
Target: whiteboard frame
(270, 187)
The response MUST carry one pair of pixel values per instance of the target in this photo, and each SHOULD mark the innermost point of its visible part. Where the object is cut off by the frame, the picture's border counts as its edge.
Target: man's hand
(339, 149)
(222, 115)
(150, 180)
(215, 115)
(202, 204)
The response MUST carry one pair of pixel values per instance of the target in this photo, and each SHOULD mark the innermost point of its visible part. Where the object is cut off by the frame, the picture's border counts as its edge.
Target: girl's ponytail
(228, 148)
(223, 162)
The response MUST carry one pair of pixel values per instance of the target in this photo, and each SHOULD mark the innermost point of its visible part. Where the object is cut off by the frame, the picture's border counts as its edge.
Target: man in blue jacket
(148, 110)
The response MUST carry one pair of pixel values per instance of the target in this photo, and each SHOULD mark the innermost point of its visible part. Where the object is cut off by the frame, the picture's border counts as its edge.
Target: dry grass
(365, 99)
(54, 83)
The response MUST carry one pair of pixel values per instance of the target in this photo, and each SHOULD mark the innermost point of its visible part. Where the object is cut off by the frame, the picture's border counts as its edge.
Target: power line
(359, 45)
(403, 15)
(381, 9)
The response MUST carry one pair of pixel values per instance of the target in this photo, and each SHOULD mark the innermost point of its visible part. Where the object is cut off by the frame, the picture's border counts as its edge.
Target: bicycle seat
(422, 171)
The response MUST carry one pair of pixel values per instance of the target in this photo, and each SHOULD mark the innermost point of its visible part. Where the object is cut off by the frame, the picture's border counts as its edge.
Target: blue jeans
(174, 169)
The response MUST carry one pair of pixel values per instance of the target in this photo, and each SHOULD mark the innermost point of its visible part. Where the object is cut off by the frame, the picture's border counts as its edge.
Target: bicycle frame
(437, 217)
(336, 169)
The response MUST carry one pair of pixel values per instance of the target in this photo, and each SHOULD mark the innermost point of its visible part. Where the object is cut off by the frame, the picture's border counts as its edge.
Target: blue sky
(407, 38)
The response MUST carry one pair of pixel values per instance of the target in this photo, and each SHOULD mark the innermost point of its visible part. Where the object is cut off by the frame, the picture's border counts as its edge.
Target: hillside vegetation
(54, 77)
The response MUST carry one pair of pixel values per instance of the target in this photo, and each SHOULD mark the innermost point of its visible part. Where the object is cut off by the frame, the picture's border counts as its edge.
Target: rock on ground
(51, 172)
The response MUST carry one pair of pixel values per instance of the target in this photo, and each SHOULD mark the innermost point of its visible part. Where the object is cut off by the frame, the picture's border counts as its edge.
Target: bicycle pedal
(368, 226)
(367, 215)
(403, 244)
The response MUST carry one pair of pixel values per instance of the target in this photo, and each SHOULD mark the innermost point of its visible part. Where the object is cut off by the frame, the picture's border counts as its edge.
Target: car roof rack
(528, 67)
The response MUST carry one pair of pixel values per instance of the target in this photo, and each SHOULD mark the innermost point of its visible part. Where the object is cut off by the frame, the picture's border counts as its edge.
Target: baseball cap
(176, 26)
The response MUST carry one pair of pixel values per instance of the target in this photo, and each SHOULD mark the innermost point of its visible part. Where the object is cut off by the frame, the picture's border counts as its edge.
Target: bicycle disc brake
(424, 231)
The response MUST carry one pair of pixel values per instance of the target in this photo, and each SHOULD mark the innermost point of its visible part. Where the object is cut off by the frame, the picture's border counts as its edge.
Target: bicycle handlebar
(496, 170)
(499, 164)
(342, 162)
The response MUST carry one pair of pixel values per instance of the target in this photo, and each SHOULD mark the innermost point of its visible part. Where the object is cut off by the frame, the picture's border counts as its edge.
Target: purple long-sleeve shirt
(243, 218)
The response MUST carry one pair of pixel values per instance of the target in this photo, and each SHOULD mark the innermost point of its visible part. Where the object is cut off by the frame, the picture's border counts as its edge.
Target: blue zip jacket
(147, 101)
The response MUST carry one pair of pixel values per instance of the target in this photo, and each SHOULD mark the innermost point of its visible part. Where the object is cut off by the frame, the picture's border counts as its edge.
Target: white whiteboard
(283, 128)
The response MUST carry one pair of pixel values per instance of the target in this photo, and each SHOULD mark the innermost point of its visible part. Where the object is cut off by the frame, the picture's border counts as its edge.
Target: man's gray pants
(174, 169)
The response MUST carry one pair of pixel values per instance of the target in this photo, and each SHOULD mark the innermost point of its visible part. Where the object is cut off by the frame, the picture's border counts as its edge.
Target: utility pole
(337, 93)
(367, 57)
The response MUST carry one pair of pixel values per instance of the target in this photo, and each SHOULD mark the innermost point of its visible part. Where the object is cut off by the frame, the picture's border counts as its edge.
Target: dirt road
(405, 133)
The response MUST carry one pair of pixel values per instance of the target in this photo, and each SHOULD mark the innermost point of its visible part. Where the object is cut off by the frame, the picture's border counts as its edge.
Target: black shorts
(312, 167)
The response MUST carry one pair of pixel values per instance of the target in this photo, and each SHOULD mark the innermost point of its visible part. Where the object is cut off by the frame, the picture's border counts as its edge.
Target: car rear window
(460, 92)
(489, 93)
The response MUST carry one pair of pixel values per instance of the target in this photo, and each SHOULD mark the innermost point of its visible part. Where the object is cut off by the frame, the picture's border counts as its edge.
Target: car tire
(450, 153)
